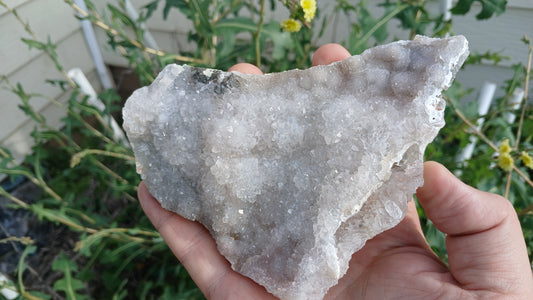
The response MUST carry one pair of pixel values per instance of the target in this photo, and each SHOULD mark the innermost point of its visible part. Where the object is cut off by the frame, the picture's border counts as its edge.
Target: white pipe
(86, 88)
(515, 102)
(90, 38)
(467, 151)
(445, 6)
(147, 36)
(484, 101)
(76, 74)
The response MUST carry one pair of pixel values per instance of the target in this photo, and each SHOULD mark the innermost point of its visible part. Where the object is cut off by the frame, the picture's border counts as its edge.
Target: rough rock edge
(434, 107)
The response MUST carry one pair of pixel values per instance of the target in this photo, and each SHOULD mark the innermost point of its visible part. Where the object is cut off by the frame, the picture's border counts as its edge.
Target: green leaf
(462, 7)
(116, 13)
(359, 43)
(64, 264)
(368, 22)
(148, 10)
(436, 239)
(179, 4)
(488, 8)
(195, 10)
(230, 27)
(22, 265)
(68, 283)
(48, 47)
(34, 44)
(227, 29)
(494, 57)
(281, 40)
(56, 215)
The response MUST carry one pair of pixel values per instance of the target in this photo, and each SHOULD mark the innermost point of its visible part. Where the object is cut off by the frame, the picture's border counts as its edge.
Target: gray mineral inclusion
(293, 172)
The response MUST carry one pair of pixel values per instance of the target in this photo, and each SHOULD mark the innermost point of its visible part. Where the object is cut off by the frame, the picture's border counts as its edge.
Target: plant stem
(257, 35)
(34, 180)
(115, 233)
(419, 5)
(225, 13)
(521, 174)
(508, 184)
(381, 22)
(80, 155)
(526, 89)
(521, 122)
(530, 207)
(20, 270)
(412, 33)
(13, 198)
(473, 127)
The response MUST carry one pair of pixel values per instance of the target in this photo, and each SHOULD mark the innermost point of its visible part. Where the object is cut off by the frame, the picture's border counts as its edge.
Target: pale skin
(486, 250)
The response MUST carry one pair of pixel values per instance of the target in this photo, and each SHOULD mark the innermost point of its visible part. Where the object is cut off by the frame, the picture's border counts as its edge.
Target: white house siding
(498, 34)
(501, 34)
(170, 34)
(30, 68)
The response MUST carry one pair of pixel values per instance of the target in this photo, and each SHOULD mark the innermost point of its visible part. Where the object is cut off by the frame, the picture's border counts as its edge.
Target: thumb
(486, 249)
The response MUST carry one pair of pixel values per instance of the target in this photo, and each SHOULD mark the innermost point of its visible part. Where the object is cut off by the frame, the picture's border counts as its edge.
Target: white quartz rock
(293, 172)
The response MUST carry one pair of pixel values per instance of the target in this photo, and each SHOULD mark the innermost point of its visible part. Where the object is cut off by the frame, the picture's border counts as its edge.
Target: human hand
(487, 254)
(486, 249)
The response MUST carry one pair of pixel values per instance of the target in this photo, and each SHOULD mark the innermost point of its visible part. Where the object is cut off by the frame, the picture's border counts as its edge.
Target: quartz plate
(293, 172)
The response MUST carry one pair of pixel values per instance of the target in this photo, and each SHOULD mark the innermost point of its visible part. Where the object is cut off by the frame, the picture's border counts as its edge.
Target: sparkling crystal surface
(293, 172)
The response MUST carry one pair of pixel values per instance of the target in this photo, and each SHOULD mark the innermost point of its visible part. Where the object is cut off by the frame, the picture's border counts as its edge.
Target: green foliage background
(88, 177)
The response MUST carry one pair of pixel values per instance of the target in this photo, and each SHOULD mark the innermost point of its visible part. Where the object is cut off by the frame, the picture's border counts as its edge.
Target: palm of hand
(486, 250)
(395, 264)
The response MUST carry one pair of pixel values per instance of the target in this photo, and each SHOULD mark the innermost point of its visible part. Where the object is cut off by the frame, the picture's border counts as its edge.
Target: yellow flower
(505, 161)
(309, 8)
(504, 147)
(291, 25)
(526, 159)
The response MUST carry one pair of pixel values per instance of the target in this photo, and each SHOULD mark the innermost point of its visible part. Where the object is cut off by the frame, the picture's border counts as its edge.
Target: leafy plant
(68, 284)
(488, 8)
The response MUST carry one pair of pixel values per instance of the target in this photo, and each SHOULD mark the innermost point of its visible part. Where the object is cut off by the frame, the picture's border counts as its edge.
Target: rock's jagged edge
(389, 96)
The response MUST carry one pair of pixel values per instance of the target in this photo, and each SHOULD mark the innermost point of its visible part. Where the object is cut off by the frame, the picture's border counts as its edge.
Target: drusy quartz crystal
(293, 172)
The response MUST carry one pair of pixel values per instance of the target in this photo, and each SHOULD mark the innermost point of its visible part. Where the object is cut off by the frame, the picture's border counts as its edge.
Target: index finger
(329, 53)
(245, 68)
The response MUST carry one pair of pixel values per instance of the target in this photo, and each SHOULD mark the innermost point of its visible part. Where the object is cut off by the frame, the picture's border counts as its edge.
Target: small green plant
(88, 179)
(68, 284)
